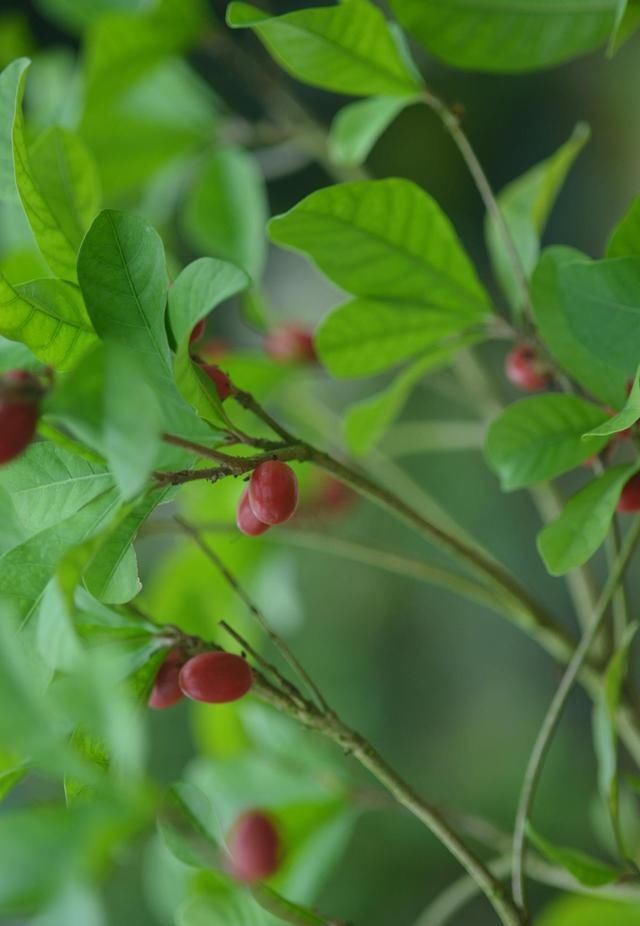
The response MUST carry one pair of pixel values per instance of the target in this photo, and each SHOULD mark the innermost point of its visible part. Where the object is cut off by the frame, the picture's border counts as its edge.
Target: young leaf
(603, 308)
(365, 336)
(507, 35)
(226, 211)
(347, 48)
(197, 290)
(624, 419)
(386, 240)
(605, 733)
(576, 534)
(625, 237)
(587, 870)
(593, 373)
(541, 437)
(358, 126)
(366, 422)
(525, 204)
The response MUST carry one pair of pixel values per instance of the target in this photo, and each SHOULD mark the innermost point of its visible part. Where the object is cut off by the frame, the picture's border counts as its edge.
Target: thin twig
(552, 717)
(254, 610)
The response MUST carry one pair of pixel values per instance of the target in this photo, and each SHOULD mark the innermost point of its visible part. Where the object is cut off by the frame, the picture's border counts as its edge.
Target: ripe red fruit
(254, 847)
(246, 519)
(273, 492)
(524, 368)
(219, 378)
(166, 689)
(630, 496)
(216, 678)
(20, 394)
(290, 344)
(198, 331)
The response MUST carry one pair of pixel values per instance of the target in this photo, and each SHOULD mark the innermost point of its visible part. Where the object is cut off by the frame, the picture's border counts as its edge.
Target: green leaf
(226, 211)
(365, 336)
(347, 48)
(367, 422)
(358, 126)
(587, 870)
(78, 14)
(286, 910)
(48, 484)
(48, 316)
(625, 237)
(603, 308)
(589, 911)
(621, 10)
(624, 419)
(576, 534)
(10, 89)
(507, 35)
(592, 373)
(67, 177)
(132, 429)
(525, 204)
(540, 437)
(197, 290)
(386, 240)
(605, 716)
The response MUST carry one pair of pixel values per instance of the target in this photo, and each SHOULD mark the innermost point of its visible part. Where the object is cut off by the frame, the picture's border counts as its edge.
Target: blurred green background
(450, 693)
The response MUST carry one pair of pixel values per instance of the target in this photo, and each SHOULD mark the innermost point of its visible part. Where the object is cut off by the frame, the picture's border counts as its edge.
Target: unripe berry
(273, 492)
(216, 678)
(524, 368)
(219, 378)
(630, 496)
(166, 689)
(290, 344)
(20, 394)
(246, 519)
(254, 847)
(198, 331)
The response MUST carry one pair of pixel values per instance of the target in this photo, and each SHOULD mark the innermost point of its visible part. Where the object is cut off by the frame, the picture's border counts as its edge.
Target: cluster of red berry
(270, 498)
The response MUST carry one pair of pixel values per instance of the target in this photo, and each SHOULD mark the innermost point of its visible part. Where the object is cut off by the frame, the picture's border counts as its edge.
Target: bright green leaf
(587, 870)
(197, 290)
(540, 437)
(625, 238)
(358, 126)
(624, 419)
(576, 534)
(347, 48)
(507, 35)
(525, 204)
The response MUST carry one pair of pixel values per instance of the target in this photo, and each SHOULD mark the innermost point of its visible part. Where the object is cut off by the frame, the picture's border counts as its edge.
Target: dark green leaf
(541, 437)
(347, 48)
(507, 35)
(574, 537)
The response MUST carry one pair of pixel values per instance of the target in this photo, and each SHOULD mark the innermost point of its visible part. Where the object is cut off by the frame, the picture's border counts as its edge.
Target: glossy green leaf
(67, 177)
(603, 308)
(589, 911)
(587, 870)
(593, 373)
(625, 418)
(525, 204)
(541, 437)
(347, 48)
(386, 240)
(605, 717)
(226, 211)
(507, 35)
(576, 534)
(365, 336)
(366, 423)
(625, 238)
(358, 126)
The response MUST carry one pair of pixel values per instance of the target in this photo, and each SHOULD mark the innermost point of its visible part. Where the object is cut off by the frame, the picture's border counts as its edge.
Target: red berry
(166, 688)
(273, 492)
(20, 394)
(254, 847)
(198, 331)
(524, 368)
(630, 496)
(216, 678)
(246, 519)
(290, 344)
(220, 380)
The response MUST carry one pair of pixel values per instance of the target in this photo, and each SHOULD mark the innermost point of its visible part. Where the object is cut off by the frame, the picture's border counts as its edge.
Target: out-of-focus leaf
(625, 418)
(625, 237)
(358, 126)
(347, 48)
(587, 870)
